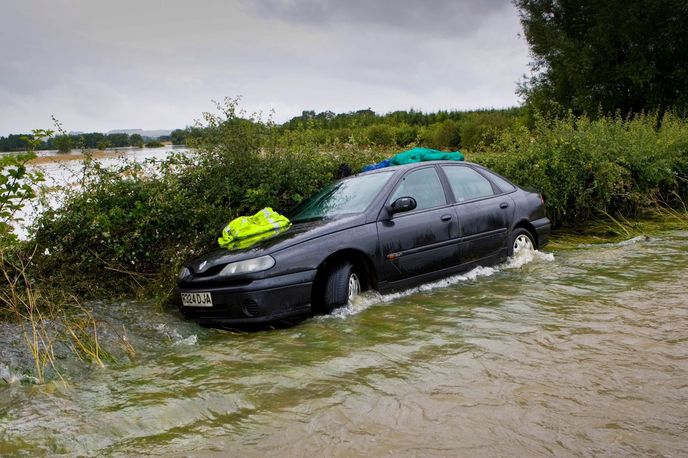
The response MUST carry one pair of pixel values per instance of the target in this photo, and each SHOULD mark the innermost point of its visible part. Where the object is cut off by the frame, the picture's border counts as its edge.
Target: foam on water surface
(370, 298)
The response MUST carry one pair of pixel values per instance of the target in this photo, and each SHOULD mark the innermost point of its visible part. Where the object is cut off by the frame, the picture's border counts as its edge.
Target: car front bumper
(261, 301)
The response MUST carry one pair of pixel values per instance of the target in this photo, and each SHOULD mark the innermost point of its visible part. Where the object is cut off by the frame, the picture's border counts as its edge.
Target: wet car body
(449, 227)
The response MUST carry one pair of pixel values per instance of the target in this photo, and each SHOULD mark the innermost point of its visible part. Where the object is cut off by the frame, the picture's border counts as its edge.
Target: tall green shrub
(447, 135)
(380, 135)
(17, 186)
(139, 222)
(405, 135)
(585, 168)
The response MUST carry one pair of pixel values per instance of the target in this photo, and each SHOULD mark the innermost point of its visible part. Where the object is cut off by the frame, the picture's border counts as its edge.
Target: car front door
(422, 240)
(484, 213)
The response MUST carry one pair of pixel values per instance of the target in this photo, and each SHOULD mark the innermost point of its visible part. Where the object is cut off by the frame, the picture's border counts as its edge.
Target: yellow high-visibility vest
(244, 231)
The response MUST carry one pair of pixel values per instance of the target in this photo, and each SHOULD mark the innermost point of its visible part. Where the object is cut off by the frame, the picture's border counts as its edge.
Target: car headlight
(248, 266)
(183, 273)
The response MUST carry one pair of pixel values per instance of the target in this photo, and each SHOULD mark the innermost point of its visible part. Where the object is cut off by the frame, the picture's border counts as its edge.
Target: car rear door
(422, 240)
(484, 213)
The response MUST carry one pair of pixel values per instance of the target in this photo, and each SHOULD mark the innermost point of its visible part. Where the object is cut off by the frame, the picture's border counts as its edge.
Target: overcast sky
(150, 64)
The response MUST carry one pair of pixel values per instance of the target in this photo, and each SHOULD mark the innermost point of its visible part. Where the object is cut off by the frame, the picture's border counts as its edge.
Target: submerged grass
(21, 302)
(613, 230)
(49, 318)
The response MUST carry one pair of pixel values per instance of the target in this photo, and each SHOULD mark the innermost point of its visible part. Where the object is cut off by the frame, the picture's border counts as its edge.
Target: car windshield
(352, 195)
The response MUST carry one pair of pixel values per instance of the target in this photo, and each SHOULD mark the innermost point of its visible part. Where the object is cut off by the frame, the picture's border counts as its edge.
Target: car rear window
(467, 184)
(501, 183)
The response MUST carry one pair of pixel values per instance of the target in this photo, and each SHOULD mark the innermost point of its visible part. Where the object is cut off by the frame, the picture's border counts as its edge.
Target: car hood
(297, 233)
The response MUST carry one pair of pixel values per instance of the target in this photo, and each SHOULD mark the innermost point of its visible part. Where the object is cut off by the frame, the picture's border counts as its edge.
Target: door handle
(446, 217)
(503, 205)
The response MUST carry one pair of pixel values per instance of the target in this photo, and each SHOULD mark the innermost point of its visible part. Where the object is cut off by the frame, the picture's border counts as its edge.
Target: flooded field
(581, 351)
(66, 171)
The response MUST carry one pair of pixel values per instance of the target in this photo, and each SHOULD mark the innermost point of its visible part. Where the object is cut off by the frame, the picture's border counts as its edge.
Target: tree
(92, 140)
(63, 143)
(102, 144)
(118, 140)
(615, 55)
(14, 142)
(178, 136)
(136, 140)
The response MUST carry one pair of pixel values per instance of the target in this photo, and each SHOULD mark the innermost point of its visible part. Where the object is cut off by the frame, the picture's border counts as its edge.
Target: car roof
(414, 165)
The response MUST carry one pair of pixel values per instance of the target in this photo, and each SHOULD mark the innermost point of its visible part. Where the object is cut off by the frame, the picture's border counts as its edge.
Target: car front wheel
(343, 285)
(520, 240)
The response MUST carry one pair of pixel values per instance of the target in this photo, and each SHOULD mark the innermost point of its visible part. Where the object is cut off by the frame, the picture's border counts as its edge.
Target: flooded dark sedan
(386, 230)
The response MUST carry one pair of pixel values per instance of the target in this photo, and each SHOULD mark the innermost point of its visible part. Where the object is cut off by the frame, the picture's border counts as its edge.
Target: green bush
(342, 135)
(136, 140)
(405, 135)
(17, 186)
(446, 135)
(134, 225)
(484, 128)
(586, 168)
(380, 135)
(440, 135)
(63, 143)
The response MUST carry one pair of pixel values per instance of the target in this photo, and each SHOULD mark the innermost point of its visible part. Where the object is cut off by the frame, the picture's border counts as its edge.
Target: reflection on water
(580, 353)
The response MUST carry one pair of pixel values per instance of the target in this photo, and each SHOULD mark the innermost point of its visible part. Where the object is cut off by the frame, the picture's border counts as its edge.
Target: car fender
(311, 255)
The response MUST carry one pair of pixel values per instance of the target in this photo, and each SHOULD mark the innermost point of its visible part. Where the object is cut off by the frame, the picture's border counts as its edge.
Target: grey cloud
(100, 66)
(431, 17)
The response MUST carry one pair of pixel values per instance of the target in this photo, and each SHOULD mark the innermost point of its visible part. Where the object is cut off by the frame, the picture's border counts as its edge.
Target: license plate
(197, 300)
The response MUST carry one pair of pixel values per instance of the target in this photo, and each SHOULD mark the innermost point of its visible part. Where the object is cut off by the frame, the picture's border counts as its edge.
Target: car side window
(467, 184)
(501, 183)
(423, 185)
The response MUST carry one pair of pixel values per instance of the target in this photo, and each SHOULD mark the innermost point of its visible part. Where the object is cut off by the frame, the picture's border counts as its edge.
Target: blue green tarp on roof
(416, 155)
(424, 154)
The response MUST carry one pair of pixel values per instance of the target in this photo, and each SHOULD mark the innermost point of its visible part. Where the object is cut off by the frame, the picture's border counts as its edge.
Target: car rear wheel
(343, 285)
(521, 240)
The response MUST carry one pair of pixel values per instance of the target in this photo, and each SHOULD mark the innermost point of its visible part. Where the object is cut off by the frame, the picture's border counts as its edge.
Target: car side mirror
(403, 204)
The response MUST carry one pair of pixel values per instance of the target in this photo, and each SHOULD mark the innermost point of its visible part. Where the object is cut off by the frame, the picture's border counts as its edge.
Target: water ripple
(583, 353)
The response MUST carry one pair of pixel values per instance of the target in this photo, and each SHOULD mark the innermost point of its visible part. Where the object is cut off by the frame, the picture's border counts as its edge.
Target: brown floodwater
(575, 352)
